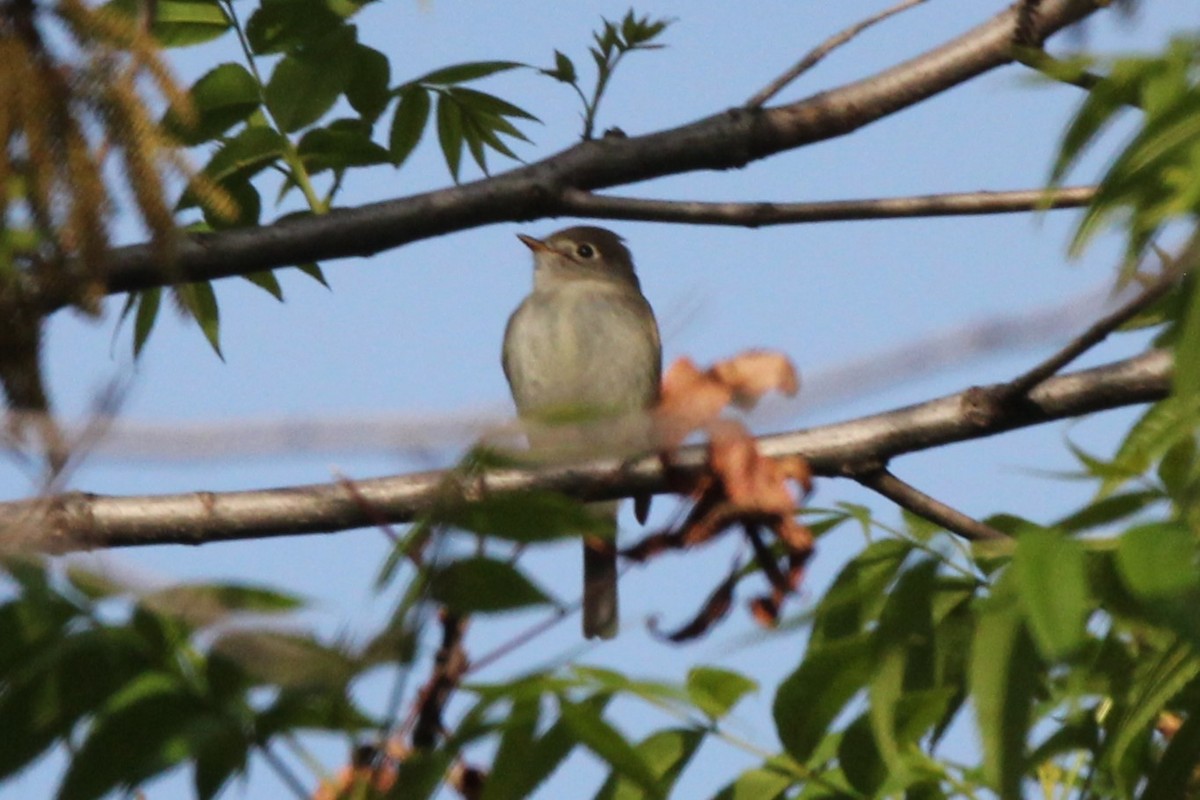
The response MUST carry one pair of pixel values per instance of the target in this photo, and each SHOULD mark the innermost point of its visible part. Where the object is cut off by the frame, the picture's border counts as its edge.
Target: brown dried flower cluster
(63, 109)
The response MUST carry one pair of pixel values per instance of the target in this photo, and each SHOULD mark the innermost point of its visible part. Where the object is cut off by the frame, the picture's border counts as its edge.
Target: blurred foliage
(1151, 182)
(1072, 649)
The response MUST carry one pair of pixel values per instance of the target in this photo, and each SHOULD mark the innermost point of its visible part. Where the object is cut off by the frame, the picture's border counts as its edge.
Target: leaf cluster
(612, 42)
(1151, 181)
(121, 679)
(253, 123)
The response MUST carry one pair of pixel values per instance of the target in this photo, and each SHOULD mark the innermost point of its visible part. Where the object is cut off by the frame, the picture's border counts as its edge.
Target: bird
(585, 344)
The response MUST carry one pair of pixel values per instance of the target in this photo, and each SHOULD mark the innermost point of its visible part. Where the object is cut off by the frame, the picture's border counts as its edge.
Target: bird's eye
(585, 251)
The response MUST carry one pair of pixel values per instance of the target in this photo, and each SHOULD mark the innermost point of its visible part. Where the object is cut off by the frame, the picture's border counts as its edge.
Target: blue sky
(416, 332)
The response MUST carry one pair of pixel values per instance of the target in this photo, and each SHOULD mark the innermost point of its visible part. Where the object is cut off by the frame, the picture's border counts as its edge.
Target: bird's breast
(583, 347)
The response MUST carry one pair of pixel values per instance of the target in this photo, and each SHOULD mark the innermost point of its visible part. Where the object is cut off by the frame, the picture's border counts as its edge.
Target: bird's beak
(536, 245)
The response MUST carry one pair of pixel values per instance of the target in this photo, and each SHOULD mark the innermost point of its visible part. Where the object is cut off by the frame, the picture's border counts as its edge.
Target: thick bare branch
(727, 140)
(755, 215)
(78, 520)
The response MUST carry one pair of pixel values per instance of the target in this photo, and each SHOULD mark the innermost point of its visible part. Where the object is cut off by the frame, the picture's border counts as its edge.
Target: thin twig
(909, 497)
(754, 215)
(1094, 335)
(380, 521)
(1174, 269)
(523, 638)
(284, 772)
(819, 52)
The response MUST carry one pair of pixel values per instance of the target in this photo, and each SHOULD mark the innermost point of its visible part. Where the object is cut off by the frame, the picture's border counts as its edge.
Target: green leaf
(564, 69)
(1140, 175)
(95, 584)
(1185, 382)
(266, 281)
(1051, 581)
(716, 691)
(536, 516)
(1177, 468)
(507, 779)
(857, 594)
(904, 654)
(469, 71)
(314, 271)
(367, 87)
(294, 710)
(1158, 560)
(859, 758)
(1159, 679)
(148, 304)
(201, 604)
(483, 586)
(140, 738)
(1107, 511)
(422, 772)
(656, 692)
(278, 26)
(53, 677)
(200, 302)
(666, 752)
(489, 104)
(408, 124)
(810, 699)
(344, 143)
(761, 783)
(289, 660)
(222, 97)
(1164, 423)
(1003, 678)
(543, 757)
(594, 733)
(450, 133)
(179, 23)
(246, 154)
(302, 89)
(474, 135)
(221, 751)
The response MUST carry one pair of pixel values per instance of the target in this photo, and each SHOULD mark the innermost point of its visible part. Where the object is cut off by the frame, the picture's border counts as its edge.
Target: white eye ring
(585, 250)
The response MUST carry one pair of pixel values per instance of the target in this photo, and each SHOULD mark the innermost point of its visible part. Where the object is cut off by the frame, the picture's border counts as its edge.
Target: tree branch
(754, 215)
(814, 56)
(727, 140)
(1094, 335)
(78, 520)
(907, 496)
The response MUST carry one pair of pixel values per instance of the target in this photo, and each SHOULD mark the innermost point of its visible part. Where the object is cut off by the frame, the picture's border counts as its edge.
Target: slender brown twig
(909, 497)
(759, 214)
(1094, 335)
(814, 56)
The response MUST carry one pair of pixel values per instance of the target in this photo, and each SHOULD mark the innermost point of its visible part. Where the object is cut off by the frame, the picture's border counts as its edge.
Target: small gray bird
(584, 345)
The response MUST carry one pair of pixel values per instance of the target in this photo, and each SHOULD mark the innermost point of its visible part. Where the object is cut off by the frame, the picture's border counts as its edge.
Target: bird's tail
(600, 606)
